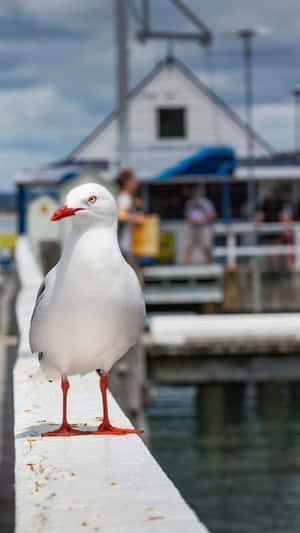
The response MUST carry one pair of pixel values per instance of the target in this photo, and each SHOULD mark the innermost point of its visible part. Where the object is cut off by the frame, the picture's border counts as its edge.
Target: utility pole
(247, 38)
(296, 93)
(247, 35)
(122, 79)
(201, 34)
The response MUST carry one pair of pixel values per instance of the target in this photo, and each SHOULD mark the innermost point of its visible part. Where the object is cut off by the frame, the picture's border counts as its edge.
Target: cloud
(38, 125)
(15, 159)
(68, 14)
(57, 69)
(35, 116)
(278, 120)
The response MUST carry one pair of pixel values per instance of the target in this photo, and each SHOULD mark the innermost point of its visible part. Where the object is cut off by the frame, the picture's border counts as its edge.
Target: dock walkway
(91, 483)
(224, 348)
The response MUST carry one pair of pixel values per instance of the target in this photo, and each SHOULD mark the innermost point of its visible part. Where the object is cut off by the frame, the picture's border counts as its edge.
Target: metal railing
(232, 250)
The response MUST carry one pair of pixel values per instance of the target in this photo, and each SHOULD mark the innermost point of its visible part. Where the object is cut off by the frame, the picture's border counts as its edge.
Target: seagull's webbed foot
(65, 430)
(108, 429)
(105, 427)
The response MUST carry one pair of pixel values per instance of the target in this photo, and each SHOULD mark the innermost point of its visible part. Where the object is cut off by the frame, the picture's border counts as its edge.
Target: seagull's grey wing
(40, 302)
(39, 297)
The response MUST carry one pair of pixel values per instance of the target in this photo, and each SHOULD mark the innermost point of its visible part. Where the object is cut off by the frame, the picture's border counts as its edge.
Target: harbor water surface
(234, 453)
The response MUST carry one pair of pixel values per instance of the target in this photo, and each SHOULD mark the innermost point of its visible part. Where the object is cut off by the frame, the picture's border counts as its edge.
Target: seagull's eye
(92, 199)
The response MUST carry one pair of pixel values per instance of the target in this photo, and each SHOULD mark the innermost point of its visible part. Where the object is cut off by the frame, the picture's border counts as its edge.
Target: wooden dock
(113, 486)
(224, 348)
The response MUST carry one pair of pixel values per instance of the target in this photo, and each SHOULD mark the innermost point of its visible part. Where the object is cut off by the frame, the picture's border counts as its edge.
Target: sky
(57, 69)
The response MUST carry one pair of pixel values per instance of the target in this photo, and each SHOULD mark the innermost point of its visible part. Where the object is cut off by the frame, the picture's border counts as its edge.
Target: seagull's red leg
(105, 427)
(65, 429)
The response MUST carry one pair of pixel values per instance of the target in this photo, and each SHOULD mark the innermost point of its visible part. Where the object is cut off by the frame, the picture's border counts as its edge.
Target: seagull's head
(88, 204)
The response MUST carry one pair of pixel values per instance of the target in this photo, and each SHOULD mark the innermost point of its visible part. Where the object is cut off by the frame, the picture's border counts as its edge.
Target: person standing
(269, 211)
(128, 185)
(200, 215)
(287, 217)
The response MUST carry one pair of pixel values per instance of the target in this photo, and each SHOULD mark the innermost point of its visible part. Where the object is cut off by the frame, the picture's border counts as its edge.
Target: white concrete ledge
(92, 483)
(179, 329)
(167, 272)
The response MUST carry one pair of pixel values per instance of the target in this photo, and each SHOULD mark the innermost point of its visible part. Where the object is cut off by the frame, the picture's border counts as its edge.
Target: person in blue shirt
(200, 215)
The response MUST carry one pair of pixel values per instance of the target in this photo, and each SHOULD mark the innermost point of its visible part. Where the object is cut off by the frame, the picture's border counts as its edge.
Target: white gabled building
(172, 115)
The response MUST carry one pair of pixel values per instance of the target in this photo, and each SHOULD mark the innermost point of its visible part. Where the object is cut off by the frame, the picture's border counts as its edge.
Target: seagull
(89, 308)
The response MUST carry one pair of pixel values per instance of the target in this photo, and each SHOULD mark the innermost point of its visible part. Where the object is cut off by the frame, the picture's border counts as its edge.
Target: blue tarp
(215, 161)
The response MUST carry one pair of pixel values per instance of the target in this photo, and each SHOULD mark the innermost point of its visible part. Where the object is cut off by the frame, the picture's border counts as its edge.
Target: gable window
(171, 122)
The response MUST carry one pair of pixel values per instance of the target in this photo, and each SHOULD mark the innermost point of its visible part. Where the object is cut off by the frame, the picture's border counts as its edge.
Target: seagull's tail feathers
(45, 372)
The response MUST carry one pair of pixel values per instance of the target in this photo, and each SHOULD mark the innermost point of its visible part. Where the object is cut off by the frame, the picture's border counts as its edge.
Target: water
(234, 453)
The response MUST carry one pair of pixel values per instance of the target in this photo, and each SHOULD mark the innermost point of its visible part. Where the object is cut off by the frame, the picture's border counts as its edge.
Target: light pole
(202, 35)
(247, 35)
(121, 19)
(296, 93)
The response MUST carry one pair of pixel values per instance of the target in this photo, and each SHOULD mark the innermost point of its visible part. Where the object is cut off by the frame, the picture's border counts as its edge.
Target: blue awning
(48, 175)
(215, 161)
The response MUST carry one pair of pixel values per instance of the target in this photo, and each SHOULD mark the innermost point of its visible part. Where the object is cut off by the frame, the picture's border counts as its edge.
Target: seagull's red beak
(64, 211)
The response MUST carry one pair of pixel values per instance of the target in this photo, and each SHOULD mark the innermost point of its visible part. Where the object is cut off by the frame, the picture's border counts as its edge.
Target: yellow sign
(167, 247)
(145, 238)
(8, 241)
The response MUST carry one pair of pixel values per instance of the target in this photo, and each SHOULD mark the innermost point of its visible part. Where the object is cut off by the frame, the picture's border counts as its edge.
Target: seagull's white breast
(95, 308)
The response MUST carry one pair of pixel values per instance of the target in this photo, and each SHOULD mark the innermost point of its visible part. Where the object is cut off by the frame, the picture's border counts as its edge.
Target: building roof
(269, 168)
(48, 175)
(171, 61)
(172, 159)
